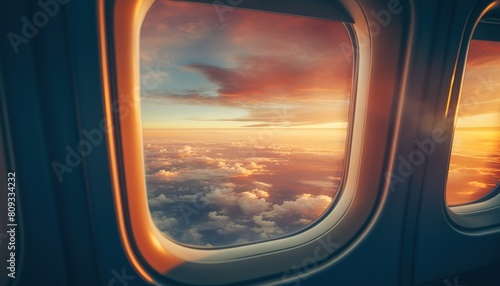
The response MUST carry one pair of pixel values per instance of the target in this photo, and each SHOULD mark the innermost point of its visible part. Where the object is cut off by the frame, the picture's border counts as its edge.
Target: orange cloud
(481, 84)
(477, 184)
(251, 60)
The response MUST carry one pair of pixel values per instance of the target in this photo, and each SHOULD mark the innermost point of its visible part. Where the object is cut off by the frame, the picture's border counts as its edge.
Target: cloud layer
(475, 161)
(210, 193)
(474, 164)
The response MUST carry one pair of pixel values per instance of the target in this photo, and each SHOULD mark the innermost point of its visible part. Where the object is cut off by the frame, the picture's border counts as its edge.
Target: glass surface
(244, 117)
(475, 160)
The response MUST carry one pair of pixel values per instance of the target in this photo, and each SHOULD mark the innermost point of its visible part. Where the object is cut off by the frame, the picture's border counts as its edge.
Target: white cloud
(303, 221)
(466, 193)
(306, 205)
(259, 220)
(262, 185)
(253, 166)
(192, 236)
(159, 164)
(231, 227)
(160, 200)
(185, 151)
(247, 209)
(222, 197)
(216, 217)
(260, 193)
(250, 203)
(162, 174)
(267, 228)
(465, 171)
(333, 178)
(221, 170)
(163, 222)
(320, 184)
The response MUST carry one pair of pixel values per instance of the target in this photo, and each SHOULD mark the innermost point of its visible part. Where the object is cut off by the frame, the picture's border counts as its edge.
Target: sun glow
(245, 121)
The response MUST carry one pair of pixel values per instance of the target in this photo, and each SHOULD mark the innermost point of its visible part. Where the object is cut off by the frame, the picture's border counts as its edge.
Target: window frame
(348, 136)
(480, 213)
(158, 259)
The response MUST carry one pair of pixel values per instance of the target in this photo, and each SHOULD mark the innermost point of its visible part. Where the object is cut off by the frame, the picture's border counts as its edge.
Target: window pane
(475, 159)
(244, 117)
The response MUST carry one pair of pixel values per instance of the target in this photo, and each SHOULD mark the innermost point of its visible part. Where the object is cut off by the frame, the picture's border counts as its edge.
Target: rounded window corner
(472, 185)
(159, 258)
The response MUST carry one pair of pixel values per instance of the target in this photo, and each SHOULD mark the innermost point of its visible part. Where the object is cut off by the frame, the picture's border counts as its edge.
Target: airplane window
(474, 173)
(245, 120)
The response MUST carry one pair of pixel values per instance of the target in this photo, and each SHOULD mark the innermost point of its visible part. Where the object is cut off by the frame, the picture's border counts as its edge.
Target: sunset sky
(245, 113)
(475, 161)
(244, 121)
(480, 99)
(200, 70)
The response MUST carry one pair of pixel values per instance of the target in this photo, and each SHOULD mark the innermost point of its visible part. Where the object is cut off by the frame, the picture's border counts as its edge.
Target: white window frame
(475, 214)
(160, 260)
